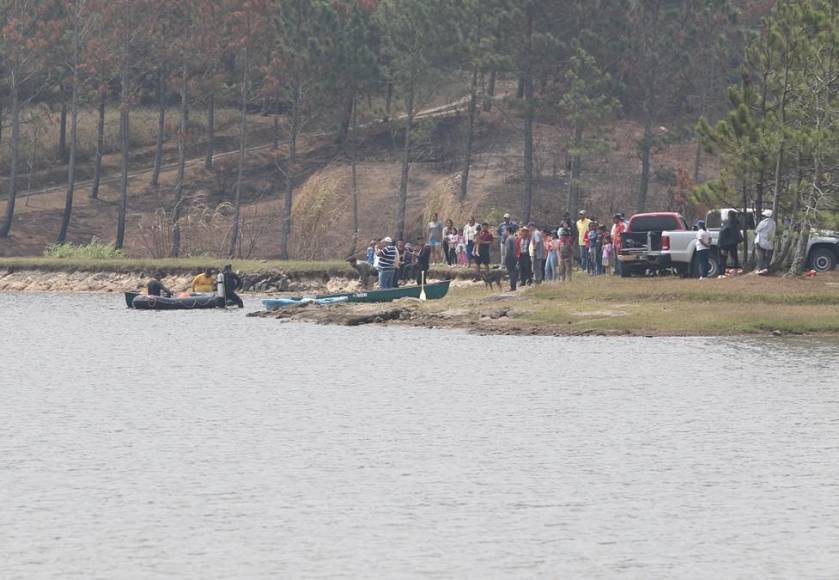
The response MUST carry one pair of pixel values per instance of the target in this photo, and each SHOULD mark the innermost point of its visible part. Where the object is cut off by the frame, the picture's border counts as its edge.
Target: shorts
(483, 255)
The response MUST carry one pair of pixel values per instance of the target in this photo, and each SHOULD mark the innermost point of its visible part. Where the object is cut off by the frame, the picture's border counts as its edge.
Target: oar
(423, 297)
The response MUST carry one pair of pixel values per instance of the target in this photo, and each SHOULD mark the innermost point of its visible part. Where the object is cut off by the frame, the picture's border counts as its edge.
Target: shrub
(95, 250)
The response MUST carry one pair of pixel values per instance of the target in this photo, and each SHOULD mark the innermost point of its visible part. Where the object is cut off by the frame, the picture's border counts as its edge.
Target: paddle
(423, 297)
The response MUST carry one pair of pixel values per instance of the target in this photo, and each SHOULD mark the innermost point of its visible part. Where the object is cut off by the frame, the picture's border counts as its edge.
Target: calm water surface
(210, 445)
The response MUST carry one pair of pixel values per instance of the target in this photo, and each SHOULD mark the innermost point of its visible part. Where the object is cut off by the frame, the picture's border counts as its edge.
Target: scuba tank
(220, 285)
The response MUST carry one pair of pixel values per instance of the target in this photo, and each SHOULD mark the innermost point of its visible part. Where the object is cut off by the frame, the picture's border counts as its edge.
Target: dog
(365, 271)
(492, 277)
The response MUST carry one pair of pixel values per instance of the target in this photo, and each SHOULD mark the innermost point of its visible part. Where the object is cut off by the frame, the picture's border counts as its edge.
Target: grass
(92, 251)
(669, 306)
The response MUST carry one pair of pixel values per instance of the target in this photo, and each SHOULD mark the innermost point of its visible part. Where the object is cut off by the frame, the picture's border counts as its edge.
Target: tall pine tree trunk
(15, 150)
(470, 132)
(353, 143)
(529, 114)
(100, 146)
(74, 127)
(124, 147)
(490, 92)
(576, 169)
(646, 154)
(179, 183)
(62, 126)
(161, 127)
(293, 132)
(243, 126)
(402, 205)
(211, 129)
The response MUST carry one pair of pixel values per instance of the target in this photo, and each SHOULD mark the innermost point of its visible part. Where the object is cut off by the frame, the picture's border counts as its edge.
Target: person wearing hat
(505, 229)
(730, 236)
(765, 241)
(388, 257)
(582, 232)
(703, 249)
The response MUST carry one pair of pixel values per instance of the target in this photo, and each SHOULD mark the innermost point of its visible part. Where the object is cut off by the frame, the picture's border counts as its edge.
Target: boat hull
(434, 291)
(143, 302)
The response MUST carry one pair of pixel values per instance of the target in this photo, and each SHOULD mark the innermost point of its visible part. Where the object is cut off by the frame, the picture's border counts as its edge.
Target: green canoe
(434, 291)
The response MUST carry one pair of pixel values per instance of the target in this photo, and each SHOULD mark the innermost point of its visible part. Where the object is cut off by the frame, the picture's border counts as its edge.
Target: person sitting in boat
(154, 287)
(232, 282)
(205, 282)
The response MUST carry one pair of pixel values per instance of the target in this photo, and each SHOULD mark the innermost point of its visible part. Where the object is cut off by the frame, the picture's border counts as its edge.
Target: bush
(95, 250)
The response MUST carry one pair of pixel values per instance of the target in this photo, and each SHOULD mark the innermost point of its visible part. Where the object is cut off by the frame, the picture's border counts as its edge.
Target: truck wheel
(713, 266)
(626, 271)
(822, 260)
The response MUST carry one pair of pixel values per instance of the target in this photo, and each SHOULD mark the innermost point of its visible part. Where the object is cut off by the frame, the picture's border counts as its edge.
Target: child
(608, 253)
(462, 258)
(565, 247)
(371, 252)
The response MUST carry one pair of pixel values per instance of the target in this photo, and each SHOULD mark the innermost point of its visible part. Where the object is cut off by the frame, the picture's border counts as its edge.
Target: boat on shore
(434, 291)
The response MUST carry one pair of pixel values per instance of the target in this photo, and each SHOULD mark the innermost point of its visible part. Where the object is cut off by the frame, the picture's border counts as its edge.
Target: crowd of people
(529, 253)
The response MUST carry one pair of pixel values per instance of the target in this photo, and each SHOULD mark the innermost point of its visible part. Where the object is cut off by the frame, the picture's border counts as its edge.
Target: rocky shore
(36, 280)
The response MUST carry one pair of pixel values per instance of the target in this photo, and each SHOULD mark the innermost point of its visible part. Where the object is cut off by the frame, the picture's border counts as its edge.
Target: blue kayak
(277, 303)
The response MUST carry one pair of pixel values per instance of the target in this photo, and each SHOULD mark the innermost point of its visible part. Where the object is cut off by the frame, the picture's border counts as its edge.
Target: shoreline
(746, 305)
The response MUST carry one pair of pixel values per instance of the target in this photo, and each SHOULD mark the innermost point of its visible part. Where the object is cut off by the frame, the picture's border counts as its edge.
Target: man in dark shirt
(423, 261)
(232, 282)
(155, 287)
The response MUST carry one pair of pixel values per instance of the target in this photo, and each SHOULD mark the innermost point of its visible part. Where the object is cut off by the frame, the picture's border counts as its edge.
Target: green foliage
(95, 250)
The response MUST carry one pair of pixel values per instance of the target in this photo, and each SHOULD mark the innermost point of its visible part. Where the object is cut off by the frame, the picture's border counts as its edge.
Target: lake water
(211, 445)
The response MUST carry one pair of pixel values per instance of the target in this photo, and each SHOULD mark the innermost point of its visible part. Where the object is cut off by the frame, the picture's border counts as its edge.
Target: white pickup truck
(678, 248)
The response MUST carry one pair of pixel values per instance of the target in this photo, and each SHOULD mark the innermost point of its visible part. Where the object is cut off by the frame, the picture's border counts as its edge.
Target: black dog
(491, 277)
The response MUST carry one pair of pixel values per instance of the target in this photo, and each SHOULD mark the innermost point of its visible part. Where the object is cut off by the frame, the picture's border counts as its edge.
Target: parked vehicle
(679, 247)
(641, 243)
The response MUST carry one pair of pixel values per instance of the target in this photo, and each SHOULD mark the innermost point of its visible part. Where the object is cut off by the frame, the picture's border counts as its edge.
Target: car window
(654, 223)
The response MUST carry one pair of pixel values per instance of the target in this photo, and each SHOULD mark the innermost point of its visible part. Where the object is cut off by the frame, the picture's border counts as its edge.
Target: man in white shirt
(703, 249)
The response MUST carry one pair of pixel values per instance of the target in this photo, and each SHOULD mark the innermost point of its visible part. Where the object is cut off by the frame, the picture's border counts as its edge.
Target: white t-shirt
(470, 232)
(703, 238)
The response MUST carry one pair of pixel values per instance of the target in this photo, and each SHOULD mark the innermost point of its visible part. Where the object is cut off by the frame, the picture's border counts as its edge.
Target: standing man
(470, 234)
(728, 240)
(506, 228)
(423, 261)
(510, 261)
(765, 241)
(618, 228)
(388, 257)
(232, 282)
(435, 238)
(582, 233)
(537, 252)
(703, 249)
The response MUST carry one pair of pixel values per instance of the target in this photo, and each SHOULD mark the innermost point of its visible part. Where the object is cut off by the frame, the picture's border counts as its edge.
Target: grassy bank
(661, 306)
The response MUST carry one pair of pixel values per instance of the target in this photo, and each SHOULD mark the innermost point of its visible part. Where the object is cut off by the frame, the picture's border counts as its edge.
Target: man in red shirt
(618, 227)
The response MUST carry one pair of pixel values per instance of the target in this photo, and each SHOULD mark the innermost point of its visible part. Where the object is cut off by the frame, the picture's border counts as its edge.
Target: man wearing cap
(506, 228)
(765, 241)
(582, 230)
(388, 257)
